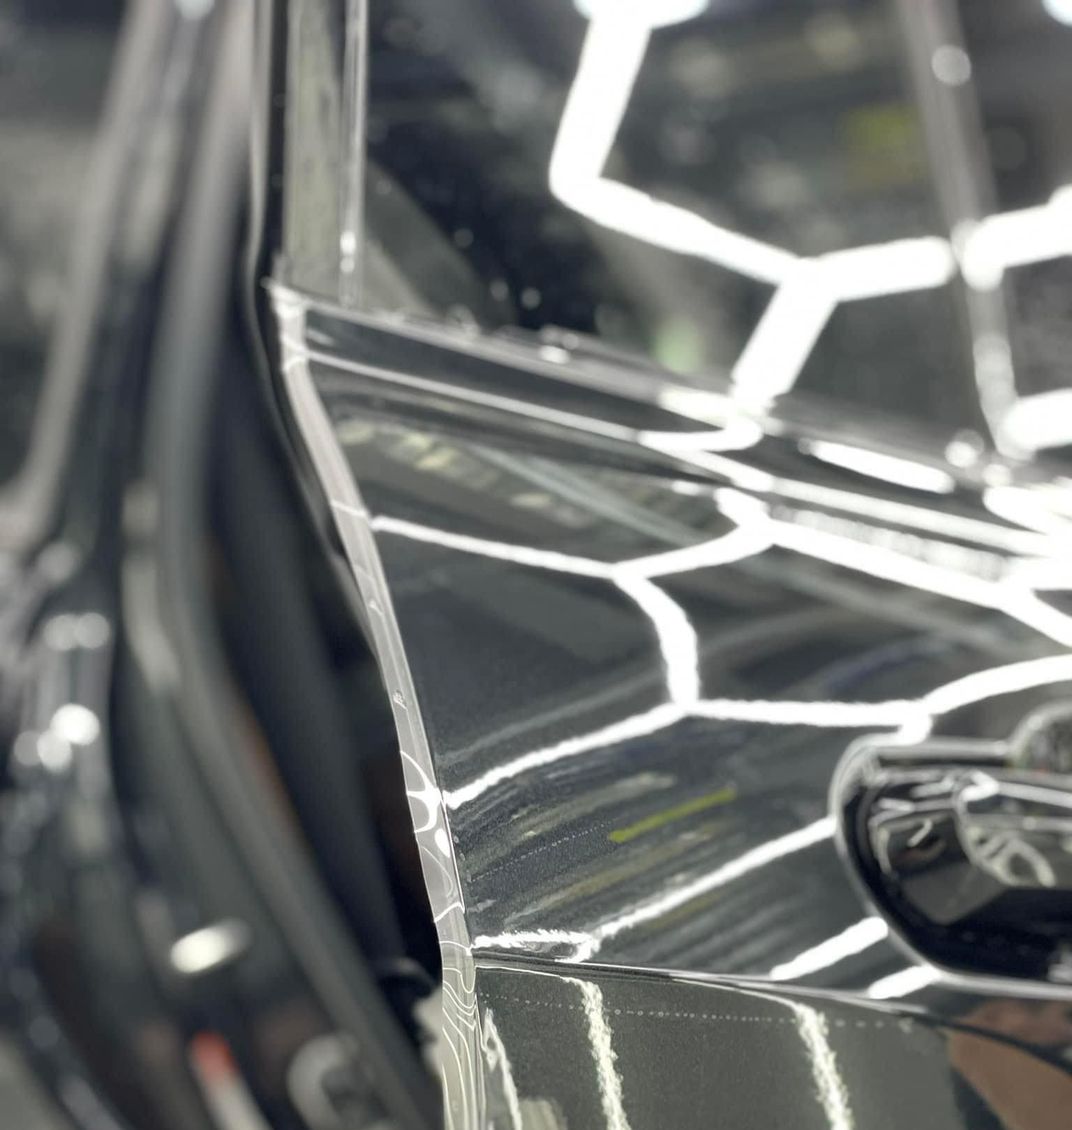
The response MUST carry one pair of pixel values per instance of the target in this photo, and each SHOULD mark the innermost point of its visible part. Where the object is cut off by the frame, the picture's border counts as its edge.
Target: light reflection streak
(738, 544)
(523, 939)
(495, 1054)
(679, 648)
(744, 864)
(995, 681)
(855, 939)
(658, 13)
(299, 355)
(1037, 509)
(738, 431)
(888, 564)
(740, 475)
(606, 1060)
(807, 289)
(779, 346)
(1039, 422)
(896, 267)
(888, 468)
(613, 50)
(485, 547)
(823, 714)
(588, 943)
(675, 634)
(991, 246)
(736, 436)
(904, 982)
(677, 639)
(829, 1085)
(961, 692)
(834, 715)
(1027, 542)
(678, 644)
(635, 726)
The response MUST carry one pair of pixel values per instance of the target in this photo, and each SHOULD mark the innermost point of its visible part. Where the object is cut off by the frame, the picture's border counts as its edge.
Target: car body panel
(627, 651)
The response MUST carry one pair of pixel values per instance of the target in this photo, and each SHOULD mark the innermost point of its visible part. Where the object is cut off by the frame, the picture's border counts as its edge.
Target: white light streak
(829, 1085)
(495, 1053)
(732, 438)
(631, 212)
(628, 729)
(522, 939)
(614, 48)
(782, 341)
(678, 644)
(1014, 239)
(740, 543)
(887, 468)
(588, 943)
(606, 1061)
(1035, 510)
(1039, 422)
(996, 681)
(744, 864)
(808, 289)
(903, 983)
(853, 940)
(879, 269)
(927, 576)
(915, 517)
(833, 715)
(501, 551)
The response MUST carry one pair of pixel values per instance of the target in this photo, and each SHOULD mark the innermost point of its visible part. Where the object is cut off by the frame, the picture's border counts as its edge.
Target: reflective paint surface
(626, 658)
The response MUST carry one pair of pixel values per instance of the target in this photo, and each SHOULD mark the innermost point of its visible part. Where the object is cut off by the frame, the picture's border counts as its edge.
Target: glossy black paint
(640, 648)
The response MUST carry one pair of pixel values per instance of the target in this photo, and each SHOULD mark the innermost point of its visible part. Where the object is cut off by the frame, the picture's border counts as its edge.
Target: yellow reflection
(668, 815)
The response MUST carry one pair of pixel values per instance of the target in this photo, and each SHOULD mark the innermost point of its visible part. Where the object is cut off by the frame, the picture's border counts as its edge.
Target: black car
(535, 552)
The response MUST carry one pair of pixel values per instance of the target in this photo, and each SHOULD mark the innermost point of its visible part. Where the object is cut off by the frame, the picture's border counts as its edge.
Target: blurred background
(55, 60)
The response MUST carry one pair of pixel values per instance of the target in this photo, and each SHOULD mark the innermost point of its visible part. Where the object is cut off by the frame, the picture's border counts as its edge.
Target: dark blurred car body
(464, 658)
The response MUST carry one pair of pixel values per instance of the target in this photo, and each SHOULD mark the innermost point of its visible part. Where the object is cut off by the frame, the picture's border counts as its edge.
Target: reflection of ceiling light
(1012, 239)
(806, 291)
(903, 983)
(654, 13)
(1061, 10)
(888, 468)
(857, 938)
(1036, 423)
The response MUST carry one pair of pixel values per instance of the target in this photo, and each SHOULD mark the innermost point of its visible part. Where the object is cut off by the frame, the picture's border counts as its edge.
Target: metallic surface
(629, 634)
